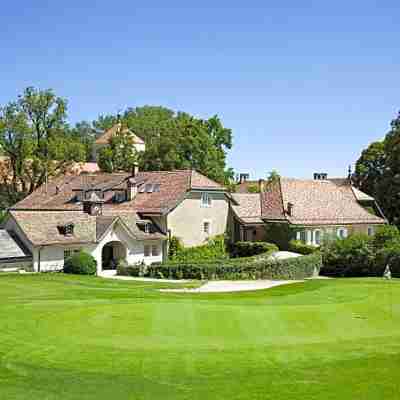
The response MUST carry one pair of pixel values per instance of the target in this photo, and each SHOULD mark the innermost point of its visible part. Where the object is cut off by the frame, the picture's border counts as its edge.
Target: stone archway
(111, 253)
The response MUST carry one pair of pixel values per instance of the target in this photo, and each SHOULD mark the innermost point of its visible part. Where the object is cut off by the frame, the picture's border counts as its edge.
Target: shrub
(175, 246)
(297, 246)
(353, 256)
(389, 255)
(386, 235)
(214, 249)
(256, 267)
(248, 249)
(80, 263)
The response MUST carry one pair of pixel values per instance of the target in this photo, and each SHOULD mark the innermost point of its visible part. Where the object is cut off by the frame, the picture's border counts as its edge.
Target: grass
(67, 337)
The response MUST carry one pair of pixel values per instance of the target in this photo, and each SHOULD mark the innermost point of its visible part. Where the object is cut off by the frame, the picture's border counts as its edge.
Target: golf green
(69, 337)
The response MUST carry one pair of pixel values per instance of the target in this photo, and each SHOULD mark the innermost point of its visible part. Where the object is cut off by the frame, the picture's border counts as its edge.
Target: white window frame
(206, 199)
(70, 252)
(207, 221)
(344, 230)
(320, 237)
(370, 231)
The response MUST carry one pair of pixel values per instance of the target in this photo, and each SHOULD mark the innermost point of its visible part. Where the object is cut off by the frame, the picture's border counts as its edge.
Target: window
(302, 236)
(205, 200)
(371, 231)
(342, 233)
(67, 254)
(317, 237)
(207, 227)
(155, 250)
(147, 227)
(147, 250)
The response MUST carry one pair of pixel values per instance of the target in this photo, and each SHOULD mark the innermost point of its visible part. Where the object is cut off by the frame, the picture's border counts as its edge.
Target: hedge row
(297, 246)
(248, 249)
(256, 267)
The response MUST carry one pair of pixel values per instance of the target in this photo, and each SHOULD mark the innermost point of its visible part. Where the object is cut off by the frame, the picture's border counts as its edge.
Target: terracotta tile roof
(172, 188)
(41, 228)
(319, 202)
(108, 134)
(271, 202)
(247, 207)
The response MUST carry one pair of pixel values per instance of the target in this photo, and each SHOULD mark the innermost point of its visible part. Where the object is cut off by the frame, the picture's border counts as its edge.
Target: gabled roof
(173, 187)
(11, 248)
(315, 202)
(117, 128)
(247, 207)
(42, 228)
(322, 202)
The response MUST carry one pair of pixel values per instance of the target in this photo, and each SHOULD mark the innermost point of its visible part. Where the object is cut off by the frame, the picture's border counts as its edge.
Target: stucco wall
(186, 220)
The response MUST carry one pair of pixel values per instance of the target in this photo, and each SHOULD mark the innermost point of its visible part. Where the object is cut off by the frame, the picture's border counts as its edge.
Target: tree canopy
(35, 141)
(177, 140)
(378, 172)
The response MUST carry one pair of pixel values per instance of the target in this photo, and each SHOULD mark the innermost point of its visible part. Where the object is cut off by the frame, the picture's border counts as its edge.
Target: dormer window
(205, 200)
(119, 196)
(66, 230)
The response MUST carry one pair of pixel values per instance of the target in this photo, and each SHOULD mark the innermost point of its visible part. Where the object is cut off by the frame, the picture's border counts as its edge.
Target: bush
(256, 267)
(80, 263)
(297, 246)
(353, 256)
(214, 249)
(386, 236)
(248, 249)
(389, 255)
(175, 246)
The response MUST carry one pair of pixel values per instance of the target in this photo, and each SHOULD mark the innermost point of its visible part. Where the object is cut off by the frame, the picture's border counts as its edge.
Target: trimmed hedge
(256, 267)
(80, 263)
(249, 249)
(214, 249)
(297, 246)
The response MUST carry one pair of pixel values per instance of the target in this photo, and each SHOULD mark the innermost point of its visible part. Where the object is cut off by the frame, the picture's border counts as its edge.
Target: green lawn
(64, 337)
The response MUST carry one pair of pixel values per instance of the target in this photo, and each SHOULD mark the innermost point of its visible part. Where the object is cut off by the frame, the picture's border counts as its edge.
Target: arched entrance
(111, 253)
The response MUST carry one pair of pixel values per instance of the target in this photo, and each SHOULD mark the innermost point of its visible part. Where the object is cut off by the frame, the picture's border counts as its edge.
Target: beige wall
(187, 219)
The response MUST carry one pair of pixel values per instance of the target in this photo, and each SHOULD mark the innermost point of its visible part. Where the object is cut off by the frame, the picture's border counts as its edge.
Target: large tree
(378, 172)
(35, 140)
(177, 140)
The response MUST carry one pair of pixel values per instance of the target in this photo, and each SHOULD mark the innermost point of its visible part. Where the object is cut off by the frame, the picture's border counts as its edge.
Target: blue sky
(304, 85)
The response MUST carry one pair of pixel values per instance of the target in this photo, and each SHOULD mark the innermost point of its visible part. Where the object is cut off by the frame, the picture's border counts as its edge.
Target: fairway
(65, 337)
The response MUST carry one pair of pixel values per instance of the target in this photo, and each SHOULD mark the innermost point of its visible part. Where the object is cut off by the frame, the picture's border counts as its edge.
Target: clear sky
(304, 85)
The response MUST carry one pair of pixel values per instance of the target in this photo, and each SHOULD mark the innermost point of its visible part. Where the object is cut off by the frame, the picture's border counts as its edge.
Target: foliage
(36, 141)
(352, 256)
(214, 249)
(119, 155)
(175, 246)
(80, 263)
(385, 236)
(388, 255)
(178, 140)
(297, 246)
(84, 133)
(273, 176)
(280, 234)
(370, 168)
(253, 188)
(3, 214)
(248, 249)
(378, 172)
(256, 267)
